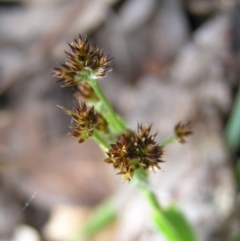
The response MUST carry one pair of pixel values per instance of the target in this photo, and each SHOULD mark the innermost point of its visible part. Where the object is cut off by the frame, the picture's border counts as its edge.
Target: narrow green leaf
(165, 227)
(232, 131)
(237, 238)
(178, 220)
(238, 172)
(105, 215)
(173, 224)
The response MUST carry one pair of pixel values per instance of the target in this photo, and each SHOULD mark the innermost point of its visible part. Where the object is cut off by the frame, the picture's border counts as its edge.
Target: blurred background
(174, 60)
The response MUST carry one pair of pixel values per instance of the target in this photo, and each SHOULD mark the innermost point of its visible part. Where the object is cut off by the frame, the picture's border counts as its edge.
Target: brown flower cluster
(134, 150)
(86, 120)
(83, 63)
(182, 131)
(85, 92)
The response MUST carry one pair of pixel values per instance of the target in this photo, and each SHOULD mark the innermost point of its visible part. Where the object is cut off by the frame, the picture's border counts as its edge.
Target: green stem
(159, 218)
(104, 145)
(113, 120)
(168, 141)
(150, 197)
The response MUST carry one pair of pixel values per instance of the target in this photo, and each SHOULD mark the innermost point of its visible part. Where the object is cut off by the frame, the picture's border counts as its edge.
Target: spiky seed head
(182, 130)
(86, 120)
(84, 62)
(102, 124)
(134, 150)
(85, 93)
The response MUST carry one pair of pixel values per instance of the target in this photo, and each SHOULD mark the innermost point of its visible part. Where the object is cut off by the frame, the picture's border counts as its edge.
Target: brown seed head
(182, 131)
(134, 150)
(83, 63)
(86, 120)
(102, 124)
(86, 93)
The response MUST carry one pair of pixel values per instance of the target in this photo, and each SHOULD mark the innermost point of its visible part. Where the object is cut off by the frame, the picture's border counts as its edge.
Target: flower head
(134, 150)
(83, 63)
(86, 121)
(182, 131)
(86, 93)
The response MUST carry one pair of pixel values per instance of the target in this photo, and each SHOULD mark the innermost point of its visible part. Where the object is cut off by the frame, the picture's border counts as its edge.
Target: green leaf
(237, 238)
(105, 215)
(176, 217)
(166, 228)
(238, 172)
(172, 223)
(232, 132)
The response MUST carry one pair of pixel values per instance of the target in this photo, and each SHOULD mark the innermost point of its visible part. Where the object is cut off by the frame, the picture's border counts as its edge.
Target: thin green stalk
(158, 216)
(104, 145)
(119, 126)
(168, 141)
